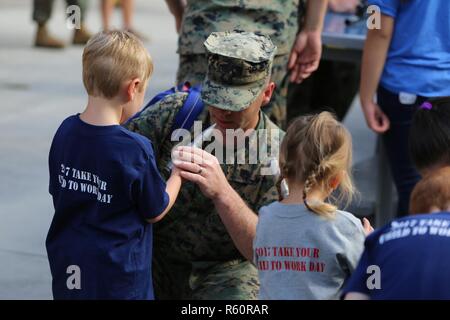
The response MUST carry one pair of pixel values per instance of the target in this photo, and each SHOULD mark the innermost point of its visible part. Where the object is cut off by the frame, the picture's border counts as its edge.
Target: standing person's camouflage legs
(277, 19)
(276, 109)
(80, 3)
(192, 68)
(81, 36)
(42, 9)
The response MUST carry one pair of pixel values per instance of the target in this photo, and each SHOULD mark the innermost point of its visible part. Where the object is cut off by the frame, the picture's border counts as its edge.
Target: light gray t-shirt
(301, 255)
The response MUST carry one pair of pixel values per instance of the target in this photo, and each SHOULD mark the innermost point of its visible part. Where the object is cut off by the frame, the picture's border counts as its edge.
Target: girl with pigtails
(305, 248)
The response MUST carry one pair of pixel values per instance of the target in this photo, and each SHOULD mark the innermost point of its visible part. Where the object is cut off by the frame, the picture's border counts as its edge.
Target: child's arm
(172, 188)
(374, 57)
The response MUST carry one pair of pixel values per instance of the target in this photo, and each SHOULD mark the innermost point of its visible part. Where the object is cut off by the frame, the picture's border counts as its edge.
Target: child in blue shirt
(411, 255)
(429, 138)
(409, 258)
(405, 62)
(105, 185)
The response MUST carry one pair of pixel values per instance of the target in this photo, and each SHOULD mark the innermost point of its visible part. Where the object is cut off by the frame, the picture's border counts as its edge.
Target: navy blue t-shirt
(413, 257)
(105, 184)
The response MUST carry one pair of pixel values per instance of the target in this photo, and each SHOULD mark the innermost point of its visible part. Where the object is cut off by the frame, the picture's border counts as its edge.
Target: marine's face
(245, 119)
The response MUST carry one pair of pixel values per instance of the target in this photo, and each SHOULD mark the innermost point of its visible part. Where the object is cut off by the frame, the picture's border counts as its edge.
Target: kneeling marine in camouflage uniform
(194, 256)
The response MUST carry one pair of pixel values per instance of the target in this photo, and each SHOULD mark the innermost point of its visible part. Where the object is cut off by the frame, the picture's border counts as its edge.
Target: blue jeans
(395, 141)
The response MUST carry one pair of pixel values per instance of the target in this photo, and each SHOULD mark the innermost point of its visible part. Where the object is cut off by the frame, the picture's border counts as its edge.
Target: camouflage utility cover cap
(238, 66)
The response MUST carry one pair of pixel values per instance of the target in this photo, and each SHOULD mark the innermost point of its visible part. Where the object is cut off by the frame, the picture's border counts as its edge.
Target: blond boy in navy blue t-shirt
(104, 181)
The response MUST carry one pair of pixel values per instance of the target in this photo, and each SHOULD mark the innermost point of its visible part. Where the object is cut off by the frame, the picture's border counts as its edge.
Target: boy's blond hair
(315, 150)
(433, 191)
(110, 58)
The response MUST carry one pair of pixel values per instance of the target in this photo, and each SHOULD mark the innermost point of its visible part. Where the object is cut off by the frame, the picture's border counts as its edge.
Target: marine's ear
(268, 92)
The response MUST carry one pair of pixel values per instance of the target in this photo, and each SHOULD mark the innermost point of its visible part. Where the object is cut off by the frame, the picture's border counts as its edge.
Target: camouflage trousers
(193, 68)
(42, 9)
(231, 280)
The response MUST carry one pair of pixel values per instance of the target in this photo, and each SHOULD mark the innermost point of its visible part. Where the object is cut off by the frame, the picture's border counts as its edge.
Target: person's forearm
(127, 12)
(176, 6)
(107, 10)
(239, 220)
(373, 60)
(374, 57)
(315, 15)
(172, 189)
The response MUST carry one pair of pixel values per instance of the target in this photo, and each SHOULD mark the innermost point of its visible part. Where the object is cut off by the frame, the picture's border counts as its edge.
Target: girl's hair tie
(426, 106)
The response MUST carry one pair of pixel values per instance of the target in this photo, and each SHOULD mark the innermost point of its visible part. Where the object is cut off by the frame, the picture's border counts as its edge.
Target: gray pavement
(38, 89)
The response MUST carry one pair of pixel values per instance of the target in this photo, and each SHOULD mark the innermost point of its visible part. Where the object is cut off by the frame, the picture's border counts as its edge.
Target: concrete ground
(38, 89)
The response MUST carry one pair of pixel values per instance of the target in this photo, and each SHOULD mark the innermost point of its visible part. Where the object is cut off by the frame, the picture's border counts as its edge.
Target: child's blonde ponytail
(314, 205)
(315, 150)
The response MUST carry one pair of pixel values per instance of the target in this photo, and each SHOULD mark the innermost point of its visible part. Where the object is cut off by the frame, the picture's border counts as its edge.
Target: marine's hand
(202, 168)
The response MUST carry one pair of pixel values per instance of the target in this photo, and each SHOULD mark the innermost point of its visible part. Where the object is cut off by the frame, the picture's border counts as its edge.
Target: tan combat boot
(81, 36)
(45, 40)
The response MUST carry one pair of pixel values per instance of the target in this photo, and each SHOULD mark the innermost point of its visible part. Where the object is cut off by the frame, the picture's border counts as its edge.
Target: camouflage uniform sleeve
(269, 191)
(269, 196)
(156, 121)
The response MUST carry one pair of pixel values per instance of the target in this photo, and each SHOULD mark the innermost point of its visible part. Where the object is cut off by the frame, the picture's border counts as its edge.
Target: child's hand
(368, 229)
(375, 118)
